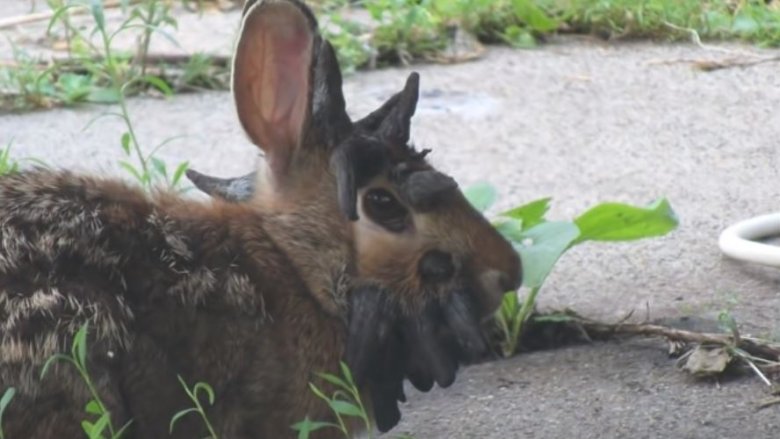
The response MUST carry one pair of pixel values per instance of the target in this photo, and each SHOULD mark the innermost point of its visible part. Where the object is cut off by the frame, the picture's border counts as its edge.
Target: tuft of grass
(407, 30)
(542, 242)
(193, 394)
(345, 403)
(100, 423)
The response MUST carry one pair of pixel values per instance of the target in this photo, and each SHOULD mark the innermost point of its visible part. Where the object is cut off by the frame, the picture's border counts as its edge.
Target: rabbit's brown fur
(171, 287)
(252, 297)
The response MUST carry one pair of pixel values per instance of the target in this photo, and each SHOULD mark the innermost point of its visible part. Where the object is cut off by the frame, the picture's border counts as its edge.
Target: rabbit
(349, 246)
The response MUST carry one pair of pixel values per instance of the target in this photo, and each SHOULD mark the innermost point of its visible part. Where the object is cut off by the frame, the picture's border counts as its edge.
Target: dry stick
(42, 16)
(750, 345)
(737, 59)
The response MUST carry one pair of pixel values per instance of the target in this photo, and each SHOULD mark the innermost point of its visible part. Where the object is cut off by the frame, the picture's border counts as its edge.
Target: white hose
(738, 241)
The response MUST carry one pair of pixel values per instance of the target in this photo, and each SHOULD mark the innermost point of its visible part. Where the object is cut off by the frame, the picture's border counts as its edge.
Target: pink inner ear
(271, 79)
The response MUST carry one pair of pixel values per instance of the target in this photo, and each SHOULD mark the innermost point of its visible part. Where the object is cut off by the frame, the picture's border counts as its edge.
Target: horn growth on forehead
(396, 126)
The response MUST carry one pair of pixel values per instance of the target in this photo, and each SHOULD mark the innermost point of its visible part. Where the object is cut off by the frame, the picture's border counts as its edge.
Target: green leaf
(101, 425)
(51, 360)
(8, 395)
(88, 428)
(541, 247)
(333, 379)
(79, 349)
(131, 169)
(158, 84)
(531, 213)
(347, 374)
(180, 170)
(511, 229)
(126, 142)
(96, 8)
(622, 222)
(93, 407)
(745, 25)
(159, 166)
(481, 195)
(178, 416)
(206, 388)
(345, 408)
(104, 95)
(533, 16)
(307, 426)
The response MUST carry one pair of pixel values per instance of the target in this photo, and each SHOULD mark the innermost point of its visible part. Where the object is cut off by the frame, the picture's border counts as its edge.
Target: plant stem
(522, 316)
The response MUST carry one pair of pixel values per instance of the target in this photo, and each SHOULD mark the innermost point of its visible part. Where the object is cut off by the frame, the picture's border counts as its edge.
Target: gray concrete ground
(583, 122)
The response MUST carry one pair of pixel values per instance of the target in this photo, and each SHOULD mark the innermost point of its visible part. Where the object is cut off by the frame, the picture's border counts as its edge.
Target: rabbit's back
(168, 287)
(65, 244)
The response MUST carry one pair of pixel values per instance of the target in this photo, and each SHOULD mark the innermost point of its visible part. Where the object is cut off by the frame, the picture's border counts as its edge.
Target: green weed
(345, 402)
(198, 407)
(542, 242)
(101, 424)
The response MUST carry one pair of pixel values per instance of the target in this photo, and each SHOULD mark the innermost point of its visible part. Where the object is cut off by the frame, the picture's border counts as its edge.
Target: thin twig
(750, 345)
(47, 15)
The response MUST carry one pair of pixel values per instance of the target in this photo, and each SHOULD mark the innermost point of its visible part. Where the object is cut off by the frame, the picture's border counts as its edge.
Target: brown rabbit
(352, 247)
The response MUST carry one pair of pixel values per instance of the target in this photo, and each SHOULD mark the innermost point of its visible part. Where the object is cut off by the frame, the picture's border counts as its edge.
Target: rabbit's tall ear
(396, 125)
(272, 77)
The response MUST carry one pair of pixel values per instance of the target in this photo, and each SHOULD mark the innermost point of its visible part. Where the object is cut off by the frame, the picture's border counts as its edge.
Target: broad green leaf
(511, 229)
(530, 214)
(541, 247)
(745, 24)
(622, 222)
(533, 16)
(93, 407)
(481, 196)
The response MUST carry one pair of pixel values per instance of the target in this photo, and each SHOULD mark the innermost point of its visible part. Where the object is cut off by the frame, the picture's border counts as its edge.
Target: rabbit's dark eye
(383, 208)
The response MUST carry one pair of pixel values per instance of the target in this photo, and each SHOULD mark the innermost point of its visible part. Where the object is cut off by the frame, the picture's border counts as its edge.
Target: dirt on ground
(581, 121)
